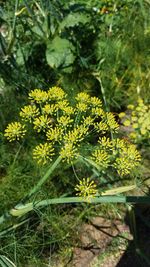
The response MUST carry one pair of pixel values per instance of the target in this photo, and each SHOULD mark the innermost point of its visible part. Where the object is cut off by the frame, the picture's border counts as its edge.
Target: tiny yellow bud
(126, 123)
(130, 107)
(121, 115)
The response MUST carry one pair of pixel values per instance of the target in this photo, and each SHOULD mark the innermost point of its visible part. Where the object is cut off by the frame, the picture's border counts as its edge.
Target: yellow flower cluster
(67, 128)
(50, 109)
(42, 123)
(56, 93)
(105, 142)
(128, 158)
(83, 97)
(86, 189)
(111, 122)
(69, 152)
(138, 120)
(95, 102)
(15, 131)
(101, 158)
(43, 153)
(54, 134)
(76, 135)
(38, 96)
(29, 112)
(118, 154)
(82, 107)
(64, 121)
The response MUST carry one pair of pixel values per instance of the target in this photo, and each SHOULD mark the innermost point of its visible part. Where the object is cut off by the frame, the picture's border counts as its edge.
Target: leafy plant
(82, 44)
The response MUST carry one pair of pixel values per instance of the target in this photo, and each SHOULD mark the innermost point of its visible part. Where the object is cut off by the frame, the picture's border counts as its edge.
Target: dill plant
(74, 131)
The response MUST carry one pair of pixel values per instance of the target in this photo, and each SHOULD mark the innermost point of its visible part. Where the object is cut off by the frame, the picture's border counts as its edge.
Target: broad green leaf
(74, 19)
(60, 53)
(5, 262)
(118, 190)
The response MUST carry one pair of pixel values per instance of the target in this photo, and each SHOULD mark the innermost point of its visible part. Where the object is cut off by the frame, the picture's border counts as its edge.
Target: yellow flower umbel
(54, 134)
(128, 158)
(83, 97)
(82, 107)
(15, 131)
(95, 101)
(43, 153)
(86, 189)
(29, 112)
(69, 152)
(50, 109)
(64, 121)
(38, 96)
(105, 142)
(76, 135)
(56, 93)
(111, 122)
(42, 123)
(101, 158)
(67, 126)
(101, 127)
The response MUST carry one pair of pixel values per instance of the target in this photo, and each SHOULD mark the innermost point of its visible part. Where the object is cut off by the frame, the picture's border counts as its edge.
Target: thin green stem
(21, 209)
(44, 178)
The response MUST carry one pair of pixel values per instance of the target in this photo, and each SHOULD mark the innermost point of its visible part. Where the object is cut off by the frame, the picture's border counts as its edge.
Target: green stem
(44, 178)
(21, 209)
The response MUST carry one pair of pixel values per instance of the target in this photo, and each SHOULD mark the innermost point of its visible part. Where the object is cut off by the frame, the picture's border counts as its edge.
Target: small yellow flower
(38, 96)
(123, 166)
(15, 131)
(76, 135)
(82, 107)
(43, 153)
(82, 97)
(69, 152)
(135, 125)
(143, 131)
(127, 123)
(133, 135)
(111, 122)
(50, 109)
(62, 104)
(101, 158)
(118, 143)
(95, 101)
(56, 93)
(101, 127)
(130, 107)
(141, 120)
(86, 189)
(42, 123)
(87, 121)
(138, 108)
(29, 112)
(122, 115)
(140, 101)
(68, 110)
(54, 134)
(97, 111)
(134, 118)
(64, 121)
(105, 142)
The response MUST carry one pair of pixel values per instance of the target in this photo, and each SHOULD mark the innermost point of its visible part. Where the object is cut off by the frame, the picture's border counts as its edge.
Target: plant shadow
(137, 253)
